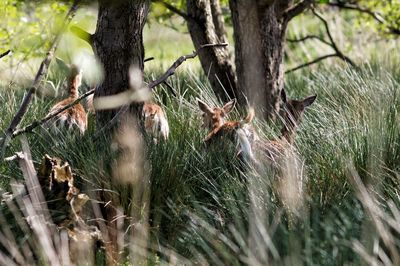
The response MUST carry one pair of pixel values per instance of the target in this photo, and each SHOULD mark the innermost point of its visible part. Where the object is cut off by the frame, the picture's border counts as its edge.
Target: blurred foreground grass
(202, 206)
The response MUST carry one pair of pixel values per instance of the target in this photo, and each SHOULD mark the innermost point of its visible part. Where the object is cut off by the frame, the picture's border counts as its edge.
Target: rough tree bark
(248, 50)
(259, 33)
(205, 25)
(118, 43)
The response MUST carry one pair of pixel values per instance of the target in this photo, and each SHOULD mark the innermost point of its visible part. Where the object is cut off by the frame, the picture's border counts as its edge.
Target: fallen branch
(39, 75)
(5, 53)
(40, 122)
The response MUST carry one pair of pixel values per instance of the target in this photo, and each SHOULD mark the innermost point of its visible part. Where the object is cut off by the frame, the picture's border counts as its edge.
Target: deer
(293, 111)
(155, 121)
(243, 133)
(267, 155)
(236, 131)
(75, 116)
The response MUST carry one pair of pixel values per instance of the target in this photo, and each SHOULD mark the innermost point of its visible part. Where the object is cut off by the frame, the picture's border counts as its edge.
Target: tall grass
(203, 206)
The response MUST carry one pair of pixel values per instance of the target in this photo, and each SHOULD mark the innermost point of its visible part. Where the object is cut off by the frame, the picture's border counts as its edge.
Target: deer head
(293, 112)
(215, 117)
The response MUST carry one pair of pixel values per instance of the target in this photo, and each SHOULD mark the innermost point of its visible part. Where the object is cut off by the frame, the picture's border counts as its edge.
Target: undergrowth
(205, 207)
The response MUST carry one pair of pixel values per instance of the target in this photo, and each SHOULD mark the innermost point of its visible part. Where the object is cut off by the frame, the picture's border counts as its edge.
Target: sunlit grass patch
(205, 207)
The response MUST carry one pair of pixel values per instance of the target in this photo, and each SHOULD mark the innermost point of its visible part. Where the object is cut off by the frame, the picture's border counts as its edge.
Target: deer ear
(309, 100)
(283, 96)
(229, 106)
(204, 107)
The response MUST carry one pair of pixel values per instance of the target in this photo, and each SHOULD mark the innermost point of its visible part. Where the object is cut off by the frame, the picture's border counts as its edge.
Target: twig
(37, 123)
(332, 41)
(360, 9)
(174, 9)
(154, 83)
(5, 53)
(39, 75)
(311, 63)
(308, 37)
(178, 62)
(376, 16)
(148, 59)
(172, 69)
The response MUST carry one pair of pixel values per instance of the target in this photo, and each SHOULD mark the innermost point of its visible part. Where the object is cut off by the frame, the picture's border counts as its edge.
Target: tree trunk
(248, 51)
(206, 27)
(118, 43)
(273, 29)
(218, 21)
(259, 33)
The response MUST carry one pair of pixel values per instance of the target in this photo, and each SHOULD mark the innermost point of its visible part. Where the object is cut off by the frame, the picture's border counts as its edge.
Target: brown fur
(293, 111)
(74, 82)
(155, 122)
(76, 115)
(213, 118)
(249, 140)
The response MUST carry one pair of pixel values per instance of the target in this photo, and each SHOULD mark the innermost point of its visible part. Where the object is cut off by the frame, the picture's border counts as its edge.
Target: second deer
(155, 121)
(244, 134)
(74, 117)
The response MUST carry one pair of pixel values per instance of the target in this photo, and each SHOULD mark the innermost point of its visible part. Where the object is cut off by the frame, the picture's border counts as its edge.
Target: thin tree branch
(151, 85)
(297, 9)
(174, 9)
(148, 59)
(376, 16)
(40, 122)
(310, 63)
(178, 62)
(39, 75)
(172, 69)
(332, 41)
(307, 37)
(5, 53)
(361, 9)
(154, 83)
